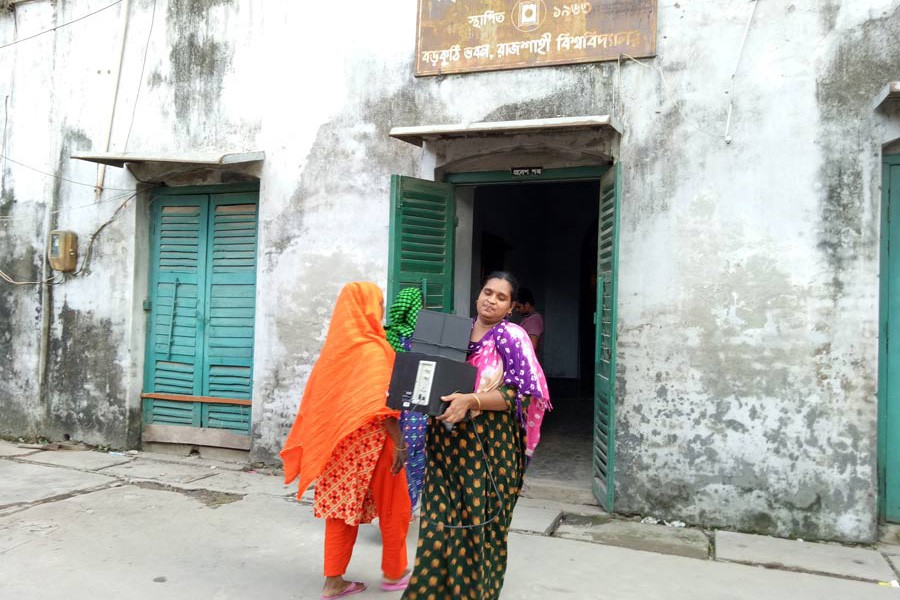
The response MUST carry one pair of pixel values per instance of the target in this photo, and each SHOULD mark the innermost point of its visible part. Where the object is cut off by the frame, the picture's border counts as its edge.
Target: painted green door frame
(603, 451)
(889, 329)
(546, 175)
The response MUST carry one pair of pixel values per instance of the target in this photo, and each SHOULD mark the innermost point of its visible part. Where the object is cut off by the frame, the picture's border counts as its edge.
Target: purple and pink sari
(505, 356)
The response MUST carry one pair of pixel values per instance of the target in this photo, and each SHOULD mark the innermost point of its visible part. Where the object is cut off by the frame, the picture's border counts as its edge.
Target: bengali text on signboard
(459, 36)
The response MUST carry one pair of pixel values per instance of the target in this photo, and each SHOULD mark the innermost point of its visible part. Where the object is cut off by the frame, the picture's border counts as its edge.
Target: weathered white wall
(748, 285)
(748, 340)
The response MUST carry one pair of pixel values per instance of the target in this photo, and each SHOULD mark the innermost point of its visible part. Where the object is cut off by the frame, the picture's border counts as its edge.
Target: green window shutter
(605, 359)
(423, 228)
(231, 280)
(176, 278)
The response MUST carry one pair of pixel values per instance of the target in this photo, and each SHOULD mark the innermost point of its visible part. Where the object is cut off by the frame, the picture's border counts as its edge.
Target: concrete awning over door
(890, 92)
(211, 159)
(418, 135)
(179, 169)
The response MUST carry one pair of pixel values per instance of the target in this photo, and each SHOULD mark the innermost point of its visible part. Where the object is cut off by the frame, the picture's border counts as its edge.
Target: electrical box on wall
(62, 250)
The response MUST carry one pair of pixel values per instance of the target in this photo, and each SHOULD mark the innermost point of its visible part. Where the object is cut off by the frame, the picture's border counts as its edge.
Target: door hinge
(148, 305)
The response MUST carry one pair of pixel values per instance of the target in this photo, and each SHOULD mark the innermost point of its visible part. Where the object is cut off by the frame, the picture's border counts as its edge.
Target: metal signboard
(460, 36)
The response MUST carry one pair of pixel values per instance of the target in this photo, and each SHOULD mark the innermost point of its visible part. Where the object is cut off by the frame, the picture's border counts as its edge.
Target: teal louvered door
(423, 229)
(178, 230)
(202, 303)
(231, 290)
(603, 483)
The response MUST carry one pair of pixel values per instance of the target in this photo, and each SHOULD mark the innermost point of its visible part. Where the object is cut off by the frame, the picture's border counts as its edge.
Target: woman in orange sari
(348, 441)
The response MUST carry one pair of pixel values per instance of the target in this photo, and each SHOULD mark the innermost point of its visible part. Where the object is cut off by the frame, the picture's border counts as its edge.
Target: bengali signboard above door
(460, 36)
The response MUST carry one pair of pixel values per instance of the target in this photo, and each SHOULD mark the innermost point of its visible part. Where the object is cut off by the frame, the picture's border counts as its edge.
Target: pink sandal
(355, 587)
(398, 585)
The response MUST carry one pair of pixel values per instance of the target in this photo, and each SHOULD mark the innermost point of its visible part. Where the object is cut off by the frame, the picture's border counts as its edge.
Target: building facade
(228, 165)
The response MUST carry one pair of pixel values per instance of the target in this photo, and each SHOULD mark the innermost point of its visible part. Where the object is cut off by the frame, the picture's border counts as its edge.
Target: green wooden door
(177, 277)
(605, 354)
(889, 380)
(422, 233)
(202, 305)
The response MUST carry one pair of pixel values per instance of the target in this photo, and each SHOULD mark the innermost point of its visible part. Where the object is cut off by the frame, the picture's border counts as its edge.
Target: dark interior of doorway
(546, 235)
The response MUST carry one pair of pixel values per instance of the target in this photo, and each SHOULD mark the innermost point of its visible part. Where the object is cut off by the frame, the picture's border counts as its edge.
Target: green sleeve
(509, 394)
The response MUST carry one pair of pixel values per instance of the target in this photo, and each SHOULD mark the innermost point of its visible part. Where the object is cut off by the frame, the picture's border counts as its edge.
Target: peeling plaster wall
(75, 350)
(26, 204)
(748, 345)
(748, 270)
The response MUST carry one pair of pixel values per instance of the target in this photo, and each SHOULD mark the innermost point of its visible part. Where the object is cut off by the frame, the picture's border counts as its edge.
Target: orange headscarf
(347, 387)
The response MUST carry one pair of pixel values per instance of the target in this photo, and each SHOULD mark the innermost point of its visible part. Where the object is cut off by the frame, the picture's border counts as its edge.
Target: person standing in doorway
(532, 320)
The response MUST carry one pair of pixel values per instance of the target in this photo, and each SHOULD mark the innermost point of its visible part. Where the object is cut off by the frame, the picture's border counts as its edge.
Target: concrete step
(819, 558)
(566, 492)
(625, 533)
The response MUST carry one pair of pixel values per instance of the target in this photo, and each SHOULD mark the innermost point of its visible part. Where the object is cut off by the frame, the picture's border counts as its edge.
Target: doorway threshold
(566, 492)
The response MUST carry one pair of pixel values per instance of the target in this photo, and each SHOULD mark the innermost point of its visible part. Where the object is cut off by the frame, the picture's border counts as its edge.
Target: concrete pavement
(85, 525)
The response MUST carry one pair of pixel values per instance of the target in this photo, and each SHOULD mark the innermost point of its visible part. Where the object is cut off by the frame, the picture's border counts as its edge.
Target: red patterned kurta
(342, 490)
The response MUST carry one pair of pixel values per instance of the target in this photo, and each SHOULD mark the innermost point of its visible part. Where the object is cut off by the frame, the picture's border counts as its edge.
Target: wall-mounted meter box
(62, 250)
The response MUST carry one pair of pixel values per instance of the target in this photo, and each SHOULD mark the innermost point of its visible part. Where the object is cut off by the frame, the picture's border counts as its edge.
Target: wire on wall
(131, 193)
(66, 24)
(149, 185)
(86, 261)
(8, 279)
(88, 253)
(137, 94)
(670, 97)
(35, 169)
(734, 73)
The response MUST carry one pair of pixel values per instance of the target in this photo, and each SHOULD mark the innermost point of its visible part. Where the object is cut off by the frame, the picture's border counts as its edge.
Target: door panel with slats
(232, 417)
(231, 276)
(423, 227)
(167, 412)
(178, 234)
(605, 359)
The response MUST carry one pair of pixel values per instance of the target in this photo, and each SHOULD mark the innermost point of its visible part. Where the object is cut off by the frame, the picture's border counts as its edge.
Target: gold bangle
(478, 400)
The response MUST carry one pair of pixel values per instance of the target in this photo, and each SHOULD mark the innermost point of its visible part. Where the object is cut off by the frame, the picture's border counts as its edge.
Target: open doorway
(546, 235)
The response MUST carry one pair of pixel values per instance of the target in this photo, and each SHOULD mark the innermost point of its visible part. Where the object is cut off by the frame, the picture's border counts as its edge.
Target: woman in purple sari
(474, 470)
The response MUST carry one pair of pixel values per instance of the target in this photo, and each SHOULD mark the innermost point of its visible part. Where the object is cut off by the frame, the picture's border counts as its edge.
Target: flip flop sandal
(355, 587)
(396, 586)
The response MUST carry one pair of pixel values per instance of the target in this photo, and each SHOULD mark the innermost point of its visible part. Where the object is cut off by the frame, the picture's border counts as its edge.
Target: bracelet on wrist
(478, 400)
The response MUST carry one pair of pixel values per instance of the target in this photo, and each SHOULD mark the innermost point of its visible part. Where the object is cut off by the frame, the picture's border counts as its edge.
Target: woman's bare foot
(335, 585)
